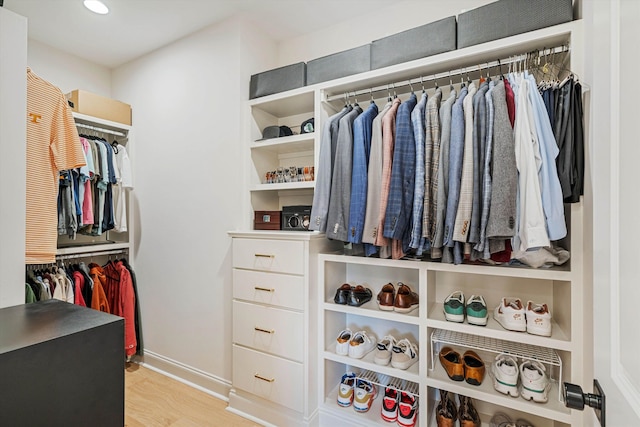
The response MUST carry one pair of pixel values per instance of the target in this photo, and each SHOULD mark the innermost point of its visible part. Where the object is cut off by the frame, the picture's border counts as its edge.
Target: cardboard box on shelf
(99, 106)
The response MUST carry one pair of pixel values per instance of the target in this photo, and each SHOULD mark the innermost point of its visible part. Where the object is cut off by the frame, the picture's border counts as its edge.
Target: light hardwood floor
(154, 400)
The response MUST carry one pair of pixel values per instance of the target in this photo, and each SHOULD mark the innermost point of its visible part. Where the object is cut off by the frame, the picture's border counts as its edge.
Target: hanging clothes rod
(448, 74)
(102, 130)
(92, 254)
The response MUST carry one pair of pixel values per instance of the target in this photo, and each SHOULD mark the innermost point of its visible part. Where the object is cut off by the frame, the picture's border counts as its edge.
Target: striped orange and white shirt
(52, 145)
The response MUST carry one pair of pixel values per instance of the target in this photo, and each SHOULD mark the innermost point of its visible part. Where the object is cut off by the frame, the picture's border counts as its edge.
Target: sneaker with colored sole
(364, 395)
(454, 307)
(407, 410)
(504, 370)
(476, 310)
(534, 381)
(389, 410)
(345, 390)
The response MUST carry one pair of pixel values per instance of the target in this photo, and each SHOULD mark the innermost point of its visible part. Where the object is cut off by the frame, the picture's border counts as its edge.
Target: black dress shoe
(342, 294)
(359, 295)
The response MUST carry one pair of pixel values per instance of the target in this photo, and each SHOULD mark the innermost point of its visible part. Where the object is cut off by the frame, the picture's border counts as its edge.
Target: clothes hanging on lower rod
(110, 288)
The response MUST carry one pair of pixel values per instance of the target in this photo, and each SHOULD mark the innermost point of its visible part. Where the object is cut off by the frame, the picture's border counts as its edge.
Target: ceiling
(136, 27)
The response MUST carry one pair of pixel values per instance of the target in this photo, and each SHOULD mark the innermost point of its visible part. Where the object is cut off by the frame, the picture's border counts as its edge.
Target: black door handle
(575, 398)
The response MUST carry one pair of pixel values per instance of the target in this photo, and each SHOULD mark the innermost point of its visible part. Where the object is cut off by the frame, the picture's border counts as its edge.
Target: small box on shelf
(267, 220)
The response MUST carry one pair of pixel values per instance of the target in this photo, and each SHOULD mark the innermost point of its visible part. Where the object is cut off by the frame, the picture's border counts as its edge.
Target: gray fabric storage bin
(426, 40)
(506, 18)
(278, 80)
(341, 64)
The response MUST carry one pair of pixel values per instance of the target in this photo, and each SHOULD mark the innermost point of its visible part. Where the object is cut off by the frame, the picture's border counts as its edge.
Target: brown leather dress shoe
(467, 413)
(446, 412)
(406, 300)
(452, 363)
(473, 368)
(386, 297)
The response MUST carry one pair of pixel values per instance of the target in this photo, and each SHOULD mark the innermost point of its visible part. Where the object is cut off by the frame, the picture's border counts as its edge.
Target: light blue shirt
(551, 191)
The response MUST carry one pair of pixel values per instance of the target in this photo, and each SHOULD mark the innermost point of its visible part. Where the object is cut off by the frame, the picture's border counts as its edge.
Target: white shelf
(108, 124)
(370, 309)
(284, 186)
(296, 101)
(484, 343)
(89, 248)
(351, 417)
(558, 339)
(553, 409)
(367, 363)
(286, 144)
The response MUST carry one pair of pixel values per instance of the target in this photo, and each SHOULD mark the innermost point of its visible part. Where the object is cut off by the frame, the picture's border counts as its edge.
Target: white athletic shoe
(534, 382)
(511, 314)
(342, 342)
(405, 354)
(361, 344)
(538, 319)
(384, 350)
(505, 374)
(454, 307)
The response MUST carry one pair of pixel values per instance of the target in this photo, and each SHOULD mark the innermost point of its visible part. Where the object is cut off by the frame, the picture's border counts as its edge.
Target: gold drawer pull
(266, 331)
(269, 380)
(258, 288)
(264, 256)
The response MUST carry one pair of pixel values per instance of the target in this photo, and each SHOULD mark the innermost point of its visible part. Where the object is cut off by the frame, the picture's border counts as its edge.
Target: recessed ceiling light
(96, 6)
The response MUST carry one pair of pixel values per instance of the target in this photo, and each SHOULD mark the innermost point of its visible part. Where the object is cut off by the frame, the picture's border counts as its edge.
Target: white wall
(67, 71)
(13, 129)
(371, 25)
(187, 100)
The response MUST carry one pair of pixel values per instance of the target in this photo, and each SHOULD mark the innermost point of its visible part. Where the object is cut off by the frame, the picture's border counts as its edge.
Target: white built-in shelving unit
(562, 288)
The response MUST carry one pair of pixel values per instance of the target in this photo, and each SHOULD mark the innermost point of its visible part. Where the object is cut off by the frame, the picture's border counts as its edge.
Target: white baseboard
(188, 375)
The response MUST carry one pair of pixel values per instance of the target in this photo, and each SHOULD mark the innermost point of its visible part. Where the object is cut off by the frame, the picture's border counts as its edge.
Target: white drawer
(282, 256)
(269, 288)
(269, 329)
(269, 377)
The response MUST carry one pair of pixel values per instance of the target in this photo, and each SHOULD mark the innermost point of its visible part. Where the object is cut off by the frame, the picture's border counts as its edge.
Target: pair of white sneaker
(355, 344)
(530, 374)
(534, 319)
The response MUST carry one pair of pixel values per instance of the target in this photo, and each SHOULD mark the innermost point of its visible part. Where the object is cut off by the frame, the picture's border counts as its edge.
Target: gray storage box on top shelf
(426, 40)
(506, 18)
(341, 64)
(278, 80)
